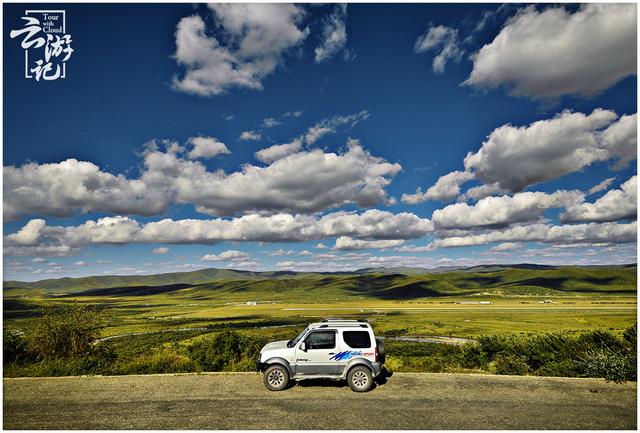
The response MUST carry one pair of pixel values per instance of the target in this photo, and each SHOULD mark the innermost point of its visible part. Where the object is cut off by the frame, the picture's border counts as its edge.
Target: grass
(582, 299)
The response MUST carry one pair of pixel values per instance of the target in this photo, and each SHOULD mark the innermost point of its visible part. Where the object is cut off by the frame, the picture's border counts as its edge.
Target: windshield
(295, 341)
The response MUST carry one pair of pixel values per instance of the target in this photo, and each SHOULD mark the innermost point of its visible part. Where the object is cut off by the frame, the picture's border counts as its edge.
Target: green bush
(64, 331)
(14, 346)
(607, 364)
(511, 364)
(161, 361)
(227, 351)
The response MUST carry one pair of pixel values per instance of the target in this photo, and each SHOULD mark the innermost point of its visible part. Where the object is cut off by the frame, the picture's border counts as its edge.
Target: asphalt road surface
(240, 401)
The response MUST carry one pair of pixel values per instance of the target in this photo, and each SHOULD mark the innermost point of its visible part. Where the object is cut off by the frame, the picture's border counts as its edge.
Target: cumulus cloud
(334, 35)
(614, 205)
(550, 53)
(250, 136)
(513, 158)
(516, 157)
(446, 188)
(206, 147)
(38, 238)
(481, 191)
(622, 139)
(279, 151)
(504, 210)
(58, 189)
(252, 43)
(566, 234)
(346, 243)
(160, 250)
(302, 182)
(228, 255)
(444, 39)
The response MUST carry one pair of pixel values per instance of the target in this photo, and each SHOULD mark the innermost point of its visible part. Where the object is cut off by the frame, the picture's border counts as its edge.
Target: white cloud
(554, 52)
(506, 246)
(614, 205)
(346, 243)
(302, 182)
(228, 255)
(81, 263)
(330, 125)
(568, 234)
(296, 113)
(446, 188)
(516, 157)
(38, 260)
(29, 234)
(306, 181)
(413, 249)
(602, 185)
(160, 250)
(206, 147)
(505, 210)
(334, 35)
(254, 38)
(58, 189)
(38, 238)
(270, 122)
(622, 139)
(481, 191)
(320, 246)
(440, 38)
(279, 151)
(250, 136)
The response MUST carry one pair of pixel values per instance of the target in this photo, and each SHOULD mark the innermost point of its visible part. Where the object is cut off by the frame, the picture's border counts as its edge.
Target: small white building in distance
(251, 303)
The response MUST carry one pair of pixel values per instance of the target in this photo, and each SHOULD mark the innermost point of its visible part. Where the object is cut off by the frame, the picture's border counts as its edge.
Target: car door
(353, 343)
(319, 347)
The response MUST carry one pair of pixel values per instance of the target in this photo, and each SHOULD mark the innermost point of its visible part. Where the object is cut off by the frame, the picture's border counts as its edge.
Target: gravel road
(240, 401)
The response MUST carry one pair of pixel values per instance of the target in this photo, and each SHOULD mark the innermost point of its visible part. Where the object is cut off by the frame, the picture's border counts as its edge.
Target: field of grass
(424, 304)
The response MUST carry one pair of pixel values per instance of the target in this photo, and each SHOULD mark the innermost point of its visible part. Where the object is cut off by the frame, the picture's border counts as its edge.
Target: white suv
(333, 349)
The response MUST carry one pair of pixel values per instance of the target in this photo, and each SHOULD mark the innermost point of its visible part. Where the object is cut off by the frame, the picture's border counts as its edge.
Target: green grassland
(413, 304)
(154, 320)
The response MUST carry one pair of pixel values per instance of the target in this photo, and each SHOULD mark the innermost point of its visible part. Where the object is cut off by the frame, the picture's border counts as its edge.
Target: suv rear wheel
(276, 378)
(360, 379)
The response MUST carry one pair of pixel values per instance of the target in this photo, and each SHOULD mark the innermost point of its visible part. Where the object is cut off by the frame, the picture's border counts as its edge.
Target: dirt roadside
(240, 401)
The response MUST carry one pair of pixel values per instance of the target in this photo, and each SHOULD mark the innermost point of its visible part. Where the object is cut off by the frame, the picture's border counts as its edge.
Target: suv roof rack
(337, 319)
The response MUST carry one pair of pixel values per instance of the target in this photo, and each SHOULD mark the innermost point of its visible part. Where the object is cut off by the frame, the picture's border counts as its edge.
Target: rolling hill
(378, 283)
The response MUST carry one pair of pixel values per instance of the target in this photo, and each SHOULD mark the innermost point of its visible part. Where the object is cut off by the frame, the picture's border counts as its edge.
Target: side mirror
(303, 346)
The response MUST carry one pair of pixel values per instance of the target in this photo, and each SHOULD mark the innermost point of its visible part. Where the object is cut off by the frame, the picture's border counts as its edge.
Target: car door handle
(332, 353)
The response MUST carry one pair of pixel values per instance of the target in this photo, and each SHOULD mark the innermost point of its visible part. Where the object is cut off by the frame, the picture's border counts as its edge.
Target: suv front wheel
(360, 379)
(276, 378)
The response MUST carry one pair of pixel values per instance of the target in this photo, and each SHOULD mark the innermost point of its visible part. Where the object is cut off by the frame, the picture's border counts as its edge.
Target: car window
(357, 339)
(321, 340)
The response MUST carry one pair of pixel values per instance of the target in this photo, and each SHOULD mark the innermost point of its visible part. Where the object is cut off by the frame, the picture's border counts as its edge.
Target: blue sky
(134, 163)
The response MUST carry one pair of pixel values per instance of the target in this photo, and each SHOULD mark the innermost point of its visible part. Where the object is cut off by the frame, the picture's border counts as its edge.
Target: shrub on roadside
(161, 361)
(607, 364)
(511, 364)
(227, 351)
(14, 346)
(65, 331)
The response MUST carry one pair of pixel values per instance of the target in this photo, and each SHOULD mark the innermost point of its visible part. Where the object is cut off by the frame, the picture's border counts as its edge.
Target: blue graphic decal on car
(346, 354)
